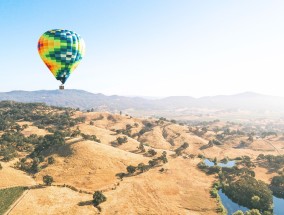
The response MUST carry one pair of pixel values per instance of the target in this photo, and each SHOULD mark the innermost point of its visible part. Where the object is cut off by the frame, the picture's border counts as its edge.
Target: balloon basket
(61, 87)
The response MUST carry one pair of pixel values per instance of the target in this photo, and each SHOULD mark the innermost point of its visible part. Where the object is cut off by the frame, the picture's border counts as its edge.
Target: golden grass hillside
(175, 187)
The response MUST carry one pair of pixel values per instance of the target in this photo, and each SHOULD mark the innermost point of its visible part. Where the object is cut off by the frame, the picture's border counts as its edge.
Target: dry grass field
(181, 188)
(11, 177)
(53, 200)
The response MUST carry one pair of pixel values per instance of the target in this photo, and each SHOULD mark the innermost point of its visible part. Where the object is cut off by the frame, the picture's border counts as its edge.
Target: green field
(8, 196)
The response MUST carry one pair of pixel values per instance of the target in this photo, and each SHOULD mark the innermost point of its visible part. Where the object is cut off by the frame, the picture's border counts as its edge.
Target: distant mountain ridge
(86, 100)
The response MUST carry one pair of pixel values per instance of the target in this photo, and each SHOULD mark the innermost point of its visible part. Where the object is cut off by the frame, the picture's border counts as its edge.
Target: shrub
(50, 160)
(214, 193)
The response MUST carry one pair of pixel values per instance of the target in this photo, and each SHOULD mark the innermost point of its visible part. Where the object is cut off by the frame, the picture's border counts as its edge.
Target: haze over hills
(175, 106)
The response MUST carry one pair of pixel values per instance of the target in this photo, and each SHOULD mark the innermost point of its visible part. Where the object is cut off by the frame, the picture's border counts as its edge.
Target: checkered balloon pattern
(61, 51)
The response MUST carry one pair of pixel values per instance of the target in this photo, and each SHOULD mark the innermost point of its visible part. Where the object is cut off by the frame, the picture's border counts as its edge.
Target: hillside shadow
(85, 203)
(136, 151)
(62, 151)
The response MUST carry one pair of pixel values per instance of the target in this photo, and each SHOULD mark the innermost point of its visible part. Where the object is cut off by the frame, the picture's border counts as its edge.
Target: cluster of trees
(51, 118)
(278, 181)
(240, 185)
(151, 152)
(180, 149)
(119, 141)
(268, 133)
(277, 186)
(111, 118)
(273, 162)
(33, 165)
(90, 137)
(148, 126)
(144, 167)
(126, 131)
(43, 143)
(38, 113)
(213, 142)
(226, 132)
(209, 169)
(246, 161)
(38, 144)
(252, 212)
(249, 192)
(13, 141)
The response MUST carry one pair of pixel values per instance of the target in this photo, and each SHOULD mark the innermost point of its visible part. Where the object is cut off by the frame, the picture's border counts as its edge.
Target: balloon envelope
(61, 51)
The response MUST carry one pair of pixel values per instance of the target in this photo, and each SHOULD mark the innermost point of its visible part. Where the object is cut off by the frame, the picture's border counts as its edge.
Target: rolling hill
(83, 164)
(244, 105)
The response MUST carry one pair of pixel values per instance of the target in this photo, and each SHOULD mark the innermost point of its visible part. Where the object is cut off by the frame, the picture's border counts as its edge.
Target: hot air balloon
(61, 51)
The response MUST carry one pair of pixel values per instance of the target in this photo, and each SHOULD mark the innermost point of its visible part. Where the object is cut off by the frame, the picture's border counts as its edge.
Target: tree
(98, 198)
(141, 147)
(255, 201)
(278, 180)
(41, 158)
(142, 167)
(215, 160)
(214, 193)
(120, 175)
(48, 180)
(153, 162)
(35, 165)
(164, 159)
(250, 138)
(50, 160)
(152, 152)
(239, 212)
(131, 169)
(121, 140)
(180, 149)
(253, 212)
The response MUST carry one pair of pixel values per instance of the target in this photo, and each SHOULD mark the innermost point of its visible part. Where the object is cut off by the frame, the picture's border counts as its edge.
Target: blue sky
(150, 47)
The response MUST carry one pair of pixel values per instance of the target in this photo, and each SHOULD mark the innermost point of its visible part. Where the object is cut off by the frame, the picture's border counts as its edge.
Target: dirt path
(272, 146)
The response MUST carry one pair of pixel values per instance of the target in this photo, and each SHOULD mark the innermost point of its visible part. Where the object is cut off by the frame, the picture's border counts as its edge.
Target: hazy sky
(150, 47)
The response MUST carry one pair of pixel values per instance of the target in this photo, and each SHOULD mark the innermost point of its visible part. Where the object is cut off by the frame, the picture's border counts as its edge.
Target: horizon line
(154, 96)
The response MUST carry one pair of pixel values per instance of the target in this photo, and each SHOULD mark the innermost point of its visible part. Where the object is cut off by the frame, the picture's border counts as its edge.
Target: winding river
(232, 207)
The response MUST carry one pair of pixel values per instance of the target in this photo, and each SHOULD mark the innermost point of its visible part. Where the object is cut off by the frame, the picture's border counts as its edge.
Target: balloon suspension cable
(61, 87)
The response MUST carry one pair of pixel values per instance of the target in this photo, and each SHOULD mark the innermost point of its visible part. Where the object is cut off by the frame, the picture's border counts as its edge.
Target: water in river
(233, 207)
(229, 204)
(278, 206)
(228, 164)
